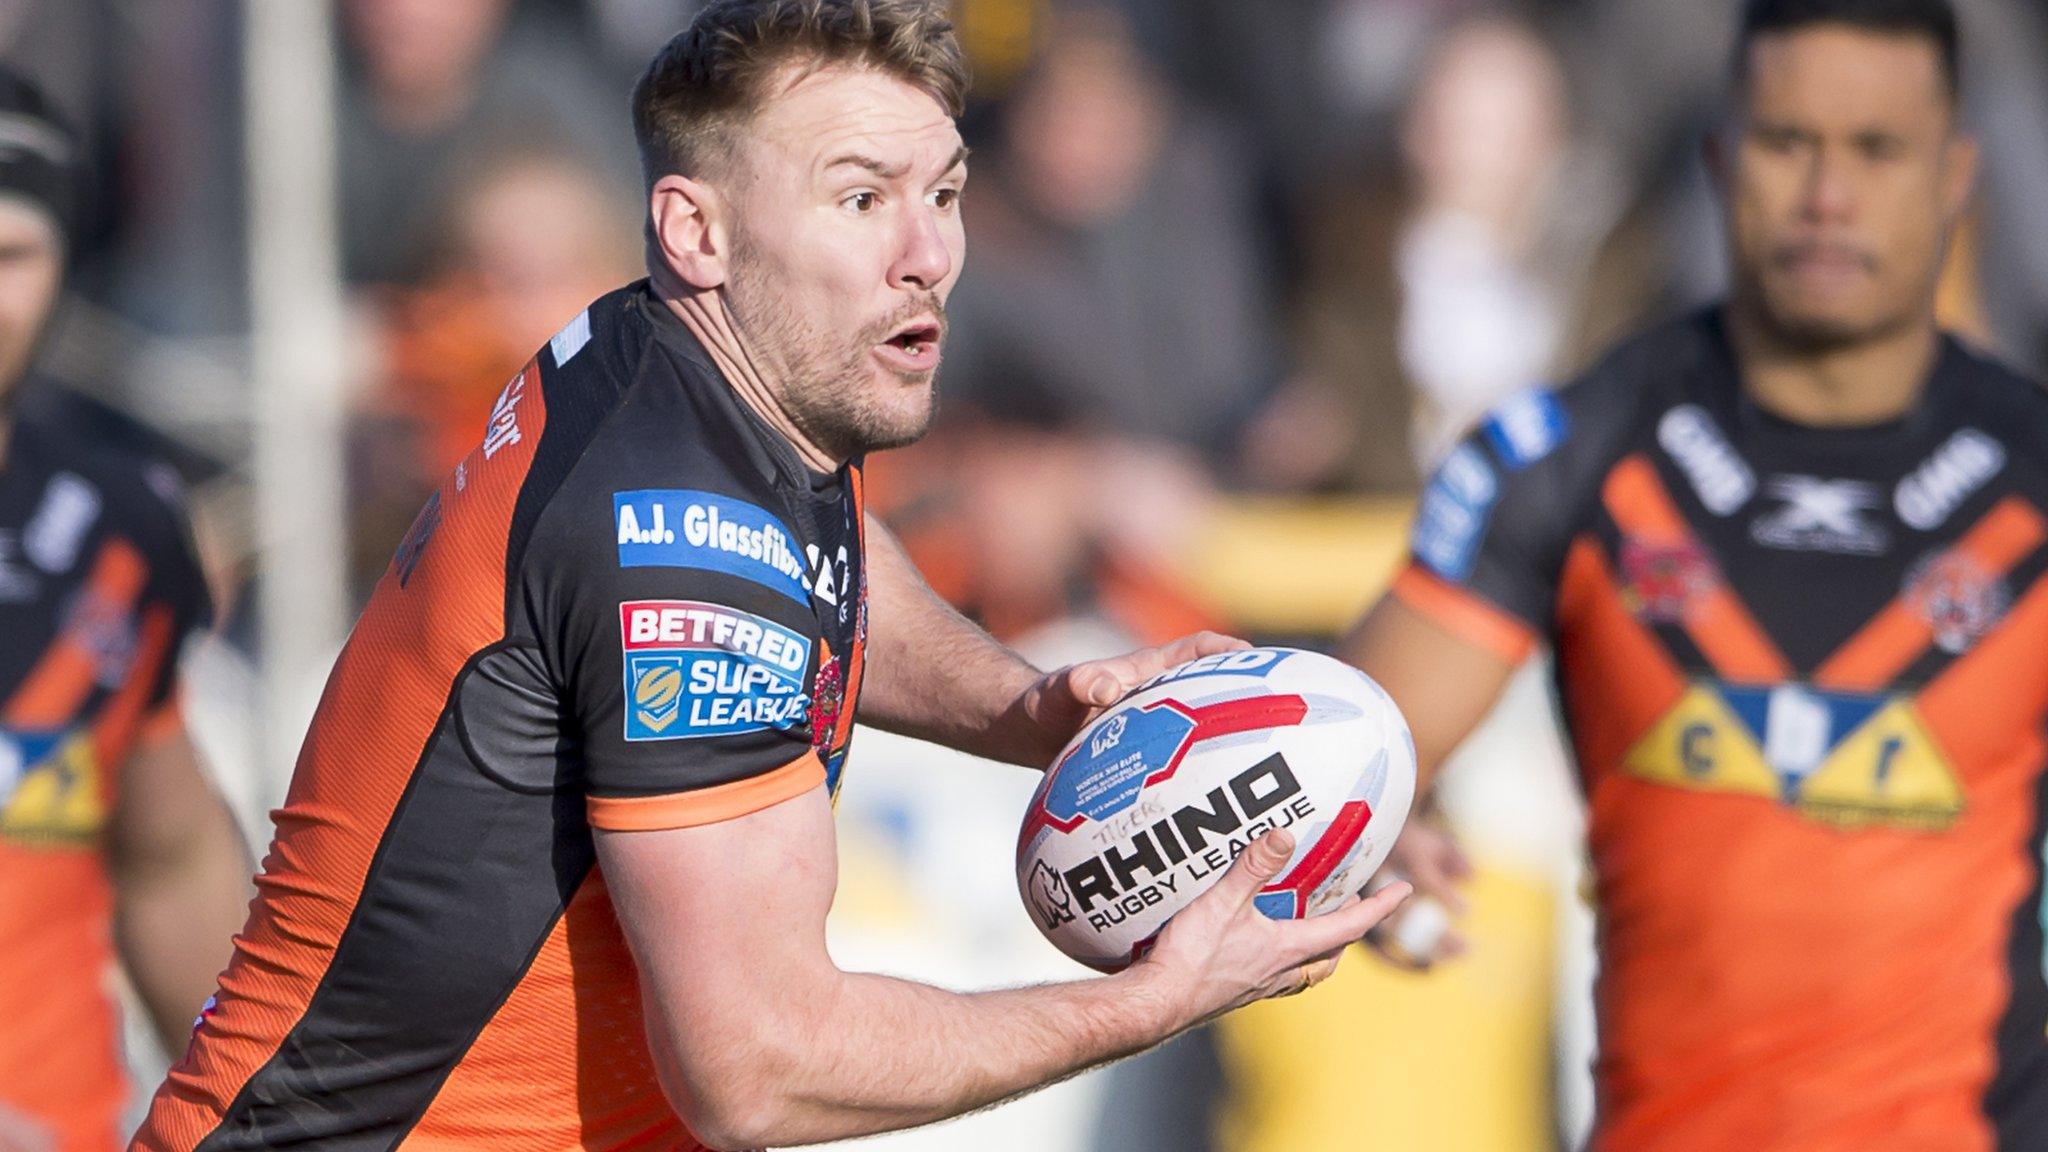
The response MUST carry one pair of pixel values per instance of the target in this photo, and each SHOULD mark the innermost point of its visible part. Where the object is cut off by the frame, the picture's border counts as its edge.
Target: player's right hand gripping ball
(1148, 805)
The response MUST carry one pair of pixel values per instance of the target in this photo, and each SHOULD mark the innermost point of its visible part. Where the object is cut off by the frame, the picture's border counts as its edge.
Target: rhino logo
(1049, 896)
(1111, 735)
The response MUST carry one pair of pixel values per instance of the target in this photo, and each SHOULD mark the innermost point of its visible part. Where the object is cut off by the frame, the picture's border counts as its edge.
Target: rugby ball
(1150, 803)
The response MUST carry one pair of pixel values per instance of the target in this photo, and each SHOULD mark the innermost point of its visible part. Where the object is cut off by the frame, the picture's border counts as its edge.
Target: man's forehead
(838, 109)
(1827, 70)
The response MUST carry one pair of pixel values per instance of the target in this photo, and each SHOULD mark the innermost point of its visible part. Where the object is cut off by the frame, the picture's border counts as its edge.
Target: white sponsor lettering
(703, 527)
(503, 431)
(707, 627)
(656, 532)
(1821, 516)
(1718, 475)
(52, 538)
(1964, 463)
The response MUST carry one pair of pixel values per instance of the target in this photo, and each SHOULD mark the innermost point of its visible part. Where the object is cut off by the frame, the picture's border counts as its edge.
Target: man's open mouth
(917, 339)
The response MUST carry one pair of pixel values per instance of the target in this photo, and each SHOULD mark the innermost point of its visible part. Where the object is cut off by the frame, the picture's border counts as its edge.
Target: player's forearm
(881, 1054)
(175, 922)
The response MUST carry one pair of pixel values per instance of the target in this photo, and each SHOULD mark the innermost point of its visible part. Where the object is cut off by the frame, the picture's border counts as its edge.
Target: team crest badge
(1665, 580)
(1957, 597)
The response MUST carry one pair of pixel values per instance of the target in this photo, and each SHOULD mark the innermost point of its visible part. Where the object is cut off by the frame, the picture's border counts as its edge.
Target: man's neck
(1852, 385)
(706, 314)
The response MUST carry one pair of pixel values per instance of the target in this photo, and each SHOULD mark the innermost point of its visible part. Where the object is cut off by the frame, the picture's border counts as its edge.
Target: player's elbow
(733, 1099)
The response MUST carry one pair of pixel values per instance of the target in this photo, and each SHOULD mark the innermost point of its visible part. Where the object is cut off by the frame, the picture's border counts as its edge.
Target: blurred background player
(556, 860)
(1790, 553)
(113, 845)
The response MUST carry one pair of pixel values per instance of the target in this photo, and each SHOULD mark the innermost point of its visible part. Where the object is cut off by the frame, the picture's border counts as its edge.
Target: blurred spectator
(1109, 341)
(524, 240)
(435, 82)
(1115, 286)
(1503, 256)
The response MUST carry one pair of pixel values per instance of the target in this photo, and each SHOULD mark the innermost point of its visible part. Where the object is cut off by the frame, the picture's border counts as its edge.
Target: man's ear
(1715, 148)
(687, 229)
(1959, 175)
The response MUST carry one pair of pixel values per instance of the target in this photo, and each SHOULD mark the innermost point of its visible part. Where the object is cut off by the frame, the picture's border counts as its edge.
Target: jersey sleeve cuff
(1465, 614)
(707, 805)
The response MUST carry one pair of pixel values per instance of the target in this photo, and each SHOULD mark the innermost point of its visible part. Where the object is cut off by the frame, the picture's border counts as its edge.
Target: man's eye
(862, 202)
(946, 197)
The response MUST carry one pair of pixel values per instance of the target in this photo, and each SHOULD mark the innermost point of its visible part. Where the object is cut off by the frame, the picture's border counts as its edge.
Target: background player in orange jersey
(111, 838)
(554, 868)
(1792, 558)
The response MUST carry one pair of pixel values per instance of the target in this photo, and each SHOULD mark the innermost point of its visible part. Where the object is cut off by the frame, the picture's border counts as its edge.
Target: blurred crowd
(1217, 248)
(1222, 254)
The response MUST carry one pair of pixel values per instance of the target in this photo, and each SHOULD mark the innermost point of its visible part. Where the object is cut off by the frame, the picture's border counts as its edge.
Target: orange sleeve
(1464, 614)
(707, 805)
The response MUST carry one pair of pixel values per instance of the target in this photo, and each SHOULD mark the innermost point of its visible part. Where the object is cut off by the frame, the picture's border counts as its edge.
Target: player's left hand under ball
(1060, 703)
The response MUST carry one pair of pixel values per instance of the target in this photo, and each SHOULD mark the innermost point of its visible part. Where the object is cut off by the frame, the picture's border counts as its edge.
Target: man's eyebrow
(858, 160)
(888, 171)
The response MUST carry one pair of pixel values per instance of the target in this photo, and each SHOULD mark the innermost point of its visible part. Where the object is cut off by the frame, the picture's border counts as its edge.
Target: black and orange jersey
(98, 590)
(1803, 671)
(630, 607)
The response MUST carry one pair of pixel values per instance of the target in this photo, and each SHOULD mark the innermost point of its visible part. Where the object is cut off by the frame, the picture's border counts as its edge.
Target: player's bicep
(1444, 680)
(727, 925)
(691, 703)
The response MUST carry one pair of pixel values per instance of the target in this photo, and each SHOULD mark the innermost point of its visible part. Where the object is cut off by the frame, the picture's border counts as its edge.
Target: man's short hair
(709, 79)
(1933, 19)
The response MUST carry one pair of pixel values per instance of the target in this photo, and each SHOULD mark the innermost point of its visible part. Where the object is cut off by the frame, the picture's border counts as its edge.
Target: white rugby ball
(1148, 805)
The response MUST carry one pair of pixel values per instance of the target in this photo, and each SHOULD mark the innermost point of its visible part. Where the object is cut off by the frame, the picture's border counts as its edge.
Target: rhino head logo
(1049, 896)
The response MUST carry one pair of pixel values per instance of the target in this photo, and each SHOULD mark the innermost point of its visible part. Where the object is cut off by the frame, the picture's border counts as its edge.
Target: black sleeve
(177, 584)
(1495, 519)
(681, 639)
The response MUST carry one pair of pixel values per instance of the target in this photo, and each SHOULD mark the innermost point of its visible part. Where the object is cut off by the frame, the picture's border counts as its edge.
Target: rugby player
(1789, 554)
(112, 842)
(555, 863)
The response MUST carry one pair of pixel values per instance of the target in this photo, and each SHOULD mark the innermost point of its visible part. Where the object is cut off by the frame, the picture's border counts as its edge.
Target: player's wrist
(1162, 992)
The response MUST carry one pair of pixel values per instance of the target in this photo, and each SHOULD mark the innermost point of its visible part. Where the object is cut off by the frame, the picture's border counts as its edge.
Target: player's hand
(1427, 856)
(19, 1133)
(1060, 703)
(1221, 952)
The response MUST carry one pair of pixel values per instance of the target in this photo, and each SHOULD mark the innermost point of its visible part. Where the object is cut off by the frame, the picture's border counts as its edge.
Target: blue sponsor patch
(684, 528)
(1528, 427)
(1453, 514)
(695, 669)
(1103, 776)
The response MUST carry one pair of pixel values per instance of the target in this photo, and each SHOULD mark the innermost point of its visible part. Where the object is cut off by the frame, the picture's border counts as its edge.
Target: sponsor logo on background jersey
(684, 528)
(1957, 597)
(503, 430)
(1452, 517)
(1527, 427)
(1719, 477)
(70, 507)
(1843, 758)
(1964, 463)
(1664, 581)
(695, 669)
(1819, 515)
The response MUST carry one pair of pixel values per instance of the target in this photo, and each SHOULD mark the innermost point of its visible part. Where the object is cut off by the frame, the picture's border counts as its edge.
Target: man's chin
(1820, 328)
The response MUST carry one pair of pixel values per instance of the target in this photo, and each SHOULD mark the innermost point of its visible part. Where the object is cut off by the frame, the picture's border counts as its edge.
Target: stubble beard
(826, 384)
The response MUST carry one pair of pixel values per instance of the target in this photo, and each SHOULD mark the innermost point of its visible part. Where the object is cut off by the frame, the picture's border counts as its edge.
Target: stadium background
(1238, 272)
